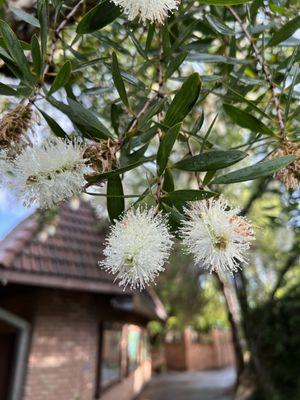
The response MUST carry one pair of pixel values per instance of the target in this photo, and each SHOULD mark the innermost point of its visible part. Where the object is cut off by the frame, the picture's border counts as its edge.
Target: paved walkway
(206, 385)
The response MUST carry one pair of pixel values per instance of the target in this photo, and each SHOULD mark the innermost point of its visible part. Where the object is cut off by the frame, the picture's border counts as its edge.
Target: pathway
(205, 385)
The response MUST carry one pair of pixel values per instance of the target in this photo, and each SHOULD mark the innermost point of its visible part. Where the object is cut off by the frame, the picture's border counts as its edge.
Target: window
(110, 369)
(133, 348)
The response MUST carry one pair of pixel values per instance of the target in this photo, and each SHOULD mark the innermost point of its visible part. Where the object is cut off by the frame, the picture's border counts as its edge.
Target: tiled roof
(66, 257)
(72, 250)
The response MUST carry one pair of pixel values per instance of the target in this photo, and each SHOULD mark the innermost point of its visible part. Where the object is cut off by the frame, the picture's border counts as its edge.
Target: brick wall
(186, 355)
(62, 361)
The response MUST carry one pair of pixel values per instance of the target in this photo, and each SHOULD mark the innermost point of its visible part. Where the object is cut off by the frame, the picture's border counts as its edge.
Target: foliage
(279, 342)
(138, 82)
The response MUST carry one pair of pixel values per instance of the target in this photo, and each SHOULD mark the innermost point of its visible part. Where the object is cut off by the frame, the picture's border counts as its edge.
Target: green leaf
(56, 129)
(155, 108)
(24, 16)
(7, 91)
(61, 78)
(14, 47)
(105, 175)
(165, 147)
(168, 184)
(82, 117)
(259, 170)
(178, 198)
(42, 13)
(98, 17)
(198, 124)
(210, 161)
(175, 64)
(245, 120)
(118, 80)
(285, 32)
(219, 26)
(115, 201)
(36, 54)
(223, 2)
(184, 100)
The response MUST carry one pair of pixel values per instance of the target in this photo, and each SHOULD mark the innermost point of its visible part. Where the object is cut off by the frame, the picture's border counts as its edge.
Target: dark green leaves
(36, 54)
(83, 118)
(13, 46)
(24, 16)
(245, 120)
(184, 100)
(210, 161)
(6, 90)
(259, 170)
(285, 32)
(42, 12)
(165, 147)
(56, 129)
(106, 175)
(118, 80)
(98, 17)
(115, 199)
(179, 197)
(61, 78)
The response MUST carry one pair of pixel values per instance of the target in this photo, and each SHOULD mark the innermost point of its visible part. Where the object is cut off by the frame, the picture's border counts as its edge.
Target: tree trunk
(232, 318)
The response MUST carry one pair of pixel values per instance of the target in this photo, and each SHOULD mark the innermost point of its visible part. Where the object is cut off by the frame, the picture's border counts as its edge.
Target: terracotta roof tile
(72, 251)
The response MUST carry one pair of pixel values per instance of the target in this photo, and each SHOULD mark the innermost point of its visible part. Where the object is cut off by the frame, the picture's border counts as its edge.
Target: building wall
(130, 386)
(217, 352)
(64, 343)
(64, 354)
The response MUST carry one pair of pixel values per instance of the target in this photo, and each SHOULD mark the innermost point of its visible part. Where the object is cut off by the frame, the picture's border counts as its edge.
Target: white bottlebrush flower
(137, 248)
(151, 10)
(216, 236)
(44, 175)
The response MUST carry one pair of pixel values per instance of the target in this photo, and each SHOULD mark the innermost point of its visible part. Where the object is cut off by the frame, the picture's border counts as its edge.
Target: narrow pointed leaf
(13, 46)
(178, 198)
(285, 32)
(24, 16)
(245, 120)
(7, 91)
(81, 116)
(259, 170)
(118, 80)
(165, 147)
(56, 129)
(210, 161)
(98, 17)
(61, 78)
(36, 55)
(115, 201)
(184, 100)
(122, 170)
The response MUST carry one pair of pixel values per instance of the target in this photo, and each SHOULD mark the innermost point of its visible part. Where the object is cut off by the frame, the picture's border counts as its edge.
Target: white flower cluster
(137, 248)
(140, 243)
(151, 10)
(45, 175)
(216, 236)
